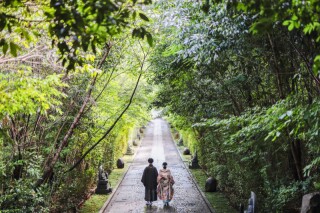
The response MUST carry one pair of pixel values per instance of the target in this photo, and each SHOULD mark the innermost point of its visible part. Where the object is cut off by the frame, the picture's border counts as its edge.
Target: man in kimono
(149, 180)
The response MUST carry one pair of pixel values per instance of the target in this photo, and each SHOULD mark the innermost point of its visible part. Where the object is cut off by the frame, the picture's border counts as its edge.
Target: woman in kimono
(149, 180)
(165, 182)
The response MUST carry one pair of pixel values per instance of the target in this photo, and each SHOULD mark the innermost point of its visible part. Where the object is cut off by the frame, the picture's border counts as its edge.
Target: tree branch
(110, 128)
(50, 162)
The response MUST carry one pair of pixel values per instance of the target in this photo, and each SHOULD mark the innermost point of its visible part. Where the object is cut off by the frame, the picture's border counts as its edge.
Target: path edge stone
(191, 175)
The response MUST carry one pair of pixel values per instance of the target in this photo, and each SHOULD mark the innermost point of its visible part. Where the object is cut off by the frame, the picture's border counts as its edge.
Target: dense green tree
(72, 25)
(240, 82)
(67, 106)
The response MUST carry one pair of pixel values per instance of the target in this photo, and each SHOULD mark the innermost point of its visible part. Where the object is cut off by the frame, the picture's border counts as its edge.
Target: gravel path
(158, 144)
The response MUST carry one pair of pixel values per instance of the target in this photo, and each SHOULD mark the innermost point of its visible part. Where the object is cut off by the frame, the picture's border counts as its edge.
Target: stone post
(311, 203)
(129, 148)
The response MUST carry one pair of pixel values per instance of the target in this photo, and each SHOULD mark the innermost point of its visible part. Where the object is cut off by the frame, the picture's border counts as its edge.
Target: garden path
(158, 144)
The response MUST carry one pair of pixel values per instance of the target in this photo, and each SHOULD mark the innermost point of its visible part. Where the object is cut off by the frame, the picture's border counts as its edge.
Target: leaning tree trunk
(51, 161)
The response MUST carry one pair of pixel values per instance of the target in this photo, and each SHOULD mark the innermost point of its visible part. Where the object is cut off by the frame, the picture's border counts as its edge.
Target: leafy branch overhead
(300, 16)
(73, 26)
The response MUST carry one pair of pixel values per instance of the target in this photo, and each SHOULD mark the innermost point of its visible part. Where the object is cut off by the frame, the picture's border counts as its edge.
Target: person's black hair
(164, 164)
(150, 160)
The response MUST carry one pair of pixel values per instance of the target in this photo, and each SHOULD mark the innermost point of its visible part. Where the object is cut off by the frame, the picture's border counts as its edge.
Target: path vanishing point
(158, 144)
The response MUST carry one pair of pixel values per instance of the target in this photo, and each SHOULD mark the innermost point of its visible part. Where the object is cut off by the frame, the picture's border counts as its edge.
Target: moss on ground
(95, 202)
(217, 199)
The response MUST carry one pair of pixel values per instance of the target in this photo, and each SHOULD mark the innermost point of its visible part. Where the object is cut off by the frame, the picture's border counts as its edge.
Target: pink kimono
(165, 181)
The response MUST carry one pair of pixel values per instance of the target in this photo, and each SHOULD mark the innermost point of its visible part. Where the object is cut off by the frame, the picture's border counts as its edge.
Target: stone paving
(158, 144)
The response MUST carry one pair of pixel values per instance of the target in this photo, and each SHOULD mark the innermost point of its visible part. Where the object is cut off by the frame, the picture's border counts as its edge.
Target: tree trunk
(276, 67)
(295, 149)
(51, 161)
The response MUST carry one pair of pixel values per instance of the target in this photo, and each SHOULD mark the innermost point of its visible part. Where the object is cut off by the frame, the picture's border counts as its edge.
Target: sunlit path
(157, 144)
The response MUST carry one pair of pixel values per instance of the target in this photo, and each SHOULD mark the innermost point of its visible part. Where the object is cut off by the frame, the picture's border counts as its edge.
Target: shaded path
(157, 143)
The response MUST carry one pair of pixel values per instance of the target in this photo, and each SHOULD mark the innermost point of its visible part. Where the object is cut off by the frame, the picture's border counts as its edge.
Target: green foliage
(19, 195)
(242, 78)
(259, 139)
(22, 92)
(295, 15)
(40, 102)
(23, 198)
(73, 26)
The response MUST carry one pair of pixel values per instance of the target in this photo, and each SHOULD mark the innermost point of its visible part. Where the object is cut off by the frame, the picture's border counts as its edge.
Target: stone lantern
(102, 186)
(194, 164)
(129, 150)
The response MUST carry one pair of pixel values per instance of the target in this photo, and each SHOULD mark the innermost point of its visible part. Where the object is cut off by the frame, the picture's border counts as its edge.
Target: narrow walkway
(157, 143)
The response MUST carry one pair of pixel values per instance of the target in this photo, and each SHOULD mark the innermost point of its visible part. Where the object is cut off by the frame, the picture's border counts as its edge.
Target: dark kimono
(149, 180)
